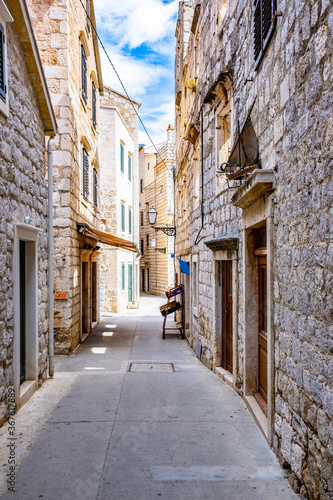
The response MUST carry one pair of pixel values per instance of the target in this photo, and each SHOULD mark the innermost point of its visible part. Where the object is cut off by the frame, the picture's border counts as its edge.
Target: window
(195, 286)
(148, 166)
(94, 104)
(123, 217)
(5, 17)
(147, 240)
(3, 89)
(223, 135)
(122, 168)
(264, 22)
(130, 221)
(85, 164)
(95, 192)
(141, 186)
(129, 167)
(84, 75)
(123, 276)
(141, 218)
(142, 247)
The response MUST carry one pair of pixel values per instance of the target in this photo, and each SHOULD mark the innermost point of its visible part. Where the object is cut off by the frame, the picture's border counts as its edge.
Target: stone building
(26, 118)
(254, 216)
(119, 201)
(70, 55)
(157, 268)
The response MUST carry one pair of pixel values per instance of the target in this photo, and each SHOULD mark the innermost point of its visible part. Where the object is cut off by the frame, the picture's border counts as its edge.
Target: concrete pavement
(141, 418)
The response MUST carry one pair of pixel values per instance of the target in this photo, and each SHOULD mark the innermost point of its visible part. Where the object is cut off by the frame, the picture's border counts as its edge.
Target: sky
(139, 36)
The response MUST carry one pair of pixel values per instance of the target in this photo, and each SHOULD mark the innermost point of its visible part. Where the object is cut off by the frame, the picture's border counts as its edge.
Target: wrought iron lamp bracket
(170, 231)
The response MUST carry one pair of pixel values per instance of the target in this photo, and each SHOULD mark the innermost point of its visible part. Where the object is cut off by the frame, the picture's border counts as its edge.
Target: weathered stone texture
(292, 117)
(23, 192)
(60, 30)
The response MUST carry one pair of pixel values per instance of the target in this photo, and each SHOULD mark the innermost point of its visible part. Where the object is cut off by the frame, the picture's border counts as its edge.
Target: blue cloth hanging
(184, 267)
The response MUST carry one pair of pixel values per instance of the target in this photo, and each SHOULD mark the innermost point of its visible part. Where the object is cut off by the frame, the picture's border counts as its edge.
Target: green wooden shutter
(123, 217)
(2, 65)
(123, 276)
(129, 168)
(122, 168)
(130, 221)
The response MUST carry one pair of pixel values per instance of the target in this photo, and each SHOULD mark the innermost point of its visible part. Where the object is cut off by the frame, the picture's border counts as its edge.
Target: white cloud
(136, 22)
(136, 75)
(157, 121)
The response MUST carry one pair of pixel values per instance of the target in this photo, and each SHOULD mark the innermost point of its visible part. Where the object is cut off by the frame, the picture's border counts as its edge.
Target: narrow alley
(142, 419)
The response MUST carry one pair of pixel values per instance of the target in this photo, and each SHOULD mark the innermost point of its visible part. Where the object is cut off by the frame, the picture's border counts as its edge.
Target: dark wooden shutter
(94, 104)
(85, 174)
(2, 64)
(84, 74)
(95, 193)
(264, 23)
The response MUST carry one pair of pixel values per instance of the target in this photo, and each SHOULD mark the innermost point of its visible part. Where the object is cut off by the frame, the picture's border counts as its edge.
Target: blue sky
(139, 36)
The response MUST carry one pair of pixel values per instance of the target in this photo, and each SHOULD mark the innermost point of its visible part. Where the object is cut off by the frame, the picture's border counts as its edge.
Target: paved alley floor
(140, 418)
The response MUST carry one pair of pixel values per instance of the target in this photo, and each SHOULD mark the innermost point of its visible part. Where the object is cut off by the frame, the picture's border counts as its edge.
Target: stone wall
(23, 192)
(61, 29)
(291, 112)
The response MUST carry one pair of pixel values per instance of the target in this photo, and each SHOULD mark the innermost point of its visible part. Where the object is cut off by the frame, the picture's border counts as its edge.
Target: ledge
(258, 184)
(222, 244)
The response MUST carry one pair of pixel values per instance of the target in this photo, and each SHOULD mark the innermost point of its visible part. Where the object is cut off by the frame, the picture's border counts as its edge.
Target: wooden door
(94, 290)
(142, 280)
(262, 334)
(227, 340)
(85, 298)
(23, 310)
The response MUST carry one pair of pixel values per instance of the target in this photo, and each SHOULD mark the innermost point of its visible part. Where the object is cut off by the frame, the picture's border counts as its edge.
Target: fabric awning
(106, 238)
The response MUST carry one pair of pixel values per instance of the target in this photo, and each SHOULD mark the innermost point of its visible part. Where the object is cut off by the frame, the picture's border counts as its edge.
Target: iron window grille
(85, 162)
(2, 64)
(84, 75)
(264, 23)
(95, 190)
(94, 105)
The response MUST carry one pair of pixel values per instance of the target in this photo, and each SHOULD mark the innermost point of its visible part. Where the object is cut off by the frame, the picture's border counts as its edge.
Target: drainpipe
(51, 296)
(134, 297)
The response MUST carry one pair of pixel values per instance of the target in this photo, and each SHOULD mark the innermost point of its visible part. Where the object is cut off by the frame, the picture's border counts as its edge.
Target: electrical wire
(114, 69)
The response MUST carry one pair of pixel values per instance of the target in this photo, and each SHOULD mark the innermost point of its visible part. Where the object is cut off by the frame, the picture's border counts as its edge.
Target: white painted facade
(119, 204)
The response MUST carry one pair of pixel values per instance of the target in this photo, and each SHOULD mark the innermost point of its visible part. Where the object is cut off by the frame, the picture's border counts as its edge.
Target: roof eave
(23, 27)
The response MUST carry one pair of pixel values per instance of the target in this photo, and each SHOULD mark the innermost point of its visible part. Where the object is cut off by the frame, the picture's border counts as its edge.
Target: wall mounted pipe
(50, 237)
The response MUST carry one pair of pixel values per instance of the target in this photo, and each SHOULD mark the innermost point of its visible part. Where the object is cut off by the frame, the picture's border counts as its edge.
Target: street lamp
(169, 230)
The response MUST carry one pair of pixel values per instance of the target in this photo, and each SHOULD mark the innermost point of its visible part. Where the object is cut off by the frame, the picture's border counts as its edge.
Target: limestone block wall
(61, 29)
(292, 117)
(23, 192)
